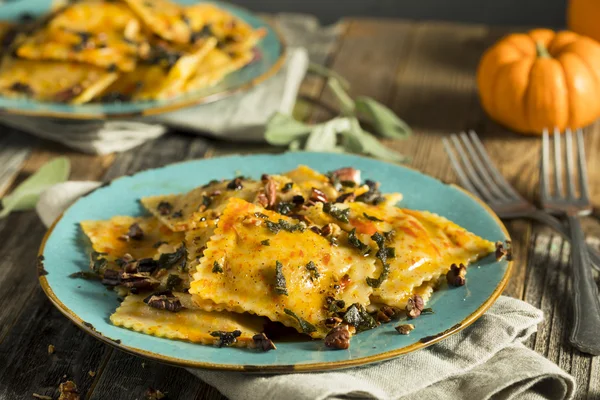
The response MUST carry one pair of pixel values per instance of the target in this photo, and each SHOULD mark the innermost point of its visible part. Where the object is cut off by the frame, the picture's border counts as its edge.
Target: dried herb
(164, 208)
(357, 316)
(389, 236)
(273, 227)
(236, 184)
(147, 265)
(205, 32)
(337, 213)
(97, 262)
(287, 187)
(261, 215)
(284, 208)
(383, 253)
(306, 326)
(177, 214)
(335, 306)
(312, 269)
(280, 283)
(86, 275)
(165, 300)
(167, 260)
(286, 226)
(266, 242)
(173, 281)
(217, 269)
(372, 218)
(345, 198)
(355, 242)
(225, 338)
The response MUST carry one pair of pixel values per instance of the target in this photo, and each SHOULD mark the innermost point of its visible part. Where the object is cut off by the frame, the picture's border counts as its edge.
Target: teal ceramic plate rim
(63, 252)
(271, 52)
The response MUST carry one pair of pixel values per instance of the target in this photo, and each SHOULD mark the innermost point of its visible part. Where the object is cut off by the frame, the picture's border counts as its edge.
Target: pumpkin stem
(542, 51)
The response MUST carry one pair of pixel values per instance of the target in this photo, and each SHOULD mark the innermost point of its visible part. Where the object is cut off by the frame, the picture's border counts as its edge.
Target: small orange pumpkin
(541, 79)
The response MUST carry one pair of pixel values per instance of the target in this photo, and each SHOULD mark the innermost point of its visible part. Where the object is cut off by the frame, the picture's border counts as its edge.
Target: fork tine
(583, 179)
(545, 171)
(473, 177)
(569, 163)
(557, 163)
(462, 177)
(509, 191)
(480, 168)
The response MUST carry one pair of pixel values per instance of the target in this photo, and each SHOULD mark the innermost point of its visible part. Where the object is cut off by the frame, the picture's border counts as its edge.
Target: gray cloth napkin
(484, 361)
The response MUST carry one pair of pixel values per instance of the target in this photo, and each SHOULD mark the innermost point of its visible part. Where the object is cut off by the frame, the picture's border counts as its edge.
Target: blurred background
(549, 13)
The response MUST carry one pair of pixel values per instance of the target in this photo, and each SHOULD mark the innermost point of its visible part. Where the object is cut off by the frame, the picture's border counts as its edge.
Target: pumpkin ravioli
(190, 323)
(284, 274)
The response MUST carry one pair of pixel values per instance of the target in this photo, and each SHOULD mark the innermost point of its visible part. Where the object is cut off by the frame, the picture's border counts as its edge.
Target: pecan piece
(385, 314)
(414, 306)
(347, 174)
(262, 342)
(135, 232)
(154, 394)
(165, 300)
(164, 208)
(235, 184)
(262, 200)
(332, 322)
(339, 337)
(405, 329)
(457, 276)
(318, 196)
(345, 198)
(137, 281)
(68, 391)
(271, 192)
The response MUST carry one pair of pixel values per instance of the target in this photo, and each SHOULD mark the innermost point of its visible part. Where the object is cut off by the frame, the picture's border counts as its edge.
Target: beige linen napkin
(484, 361)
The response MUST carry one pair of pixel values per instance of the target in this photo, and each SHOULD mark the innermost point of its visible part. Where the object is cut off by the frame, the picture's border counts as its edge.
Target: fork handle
(585, 334)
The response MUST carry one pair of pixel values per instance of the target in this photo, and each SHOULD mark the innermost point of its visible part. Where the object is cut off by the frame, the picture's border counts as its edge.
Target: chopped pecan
(347, 174)
(414, 306)
(50, 349)
(262, 200)
(154, 394)
(165, 300)
(262, 342)
(339, 337)
(271, 192)
(164, 208)
(68, 391)
(135, 232)
(345, 198)
(225, 338)
(137, 281)
(457, 276)
(385, 314)
(264, 178)
(405, 329)
(147, 265)
(332, 322)
(318, 196)
(500, 251)
(111, 277)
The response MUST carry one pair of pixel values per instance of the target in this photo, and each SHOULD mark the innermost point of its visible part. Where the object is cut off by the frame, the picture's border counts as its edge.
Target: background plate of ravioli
(88, 304)
(270, 54)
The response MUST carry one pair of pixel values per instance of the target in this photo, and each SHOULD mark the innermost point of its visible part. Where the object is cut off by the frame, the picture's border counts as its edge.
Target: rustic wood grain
(14, 149)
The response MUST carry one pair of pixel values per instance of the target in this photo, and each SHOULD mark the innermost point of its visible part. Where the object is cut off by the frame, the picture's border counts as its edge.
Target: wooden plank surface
(425, 72)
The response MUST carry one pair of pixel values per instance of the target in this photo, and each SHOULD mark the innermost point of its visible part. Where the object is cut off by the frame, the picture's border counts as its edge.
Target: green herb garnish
(428, 310)
(173, 281)
(167, 260)
(287, 187)
(284, 208)
(306, 326)
(314, 272)
(217, 269)
(261, 215)
(275, 227)
(280, 283)
(372, 218)
(266, 242)
(355, 242)
(97, 261)
(206, 201)
(337, 213)
(336, 306)
(389, 236)
(358, 316)
(382, 254)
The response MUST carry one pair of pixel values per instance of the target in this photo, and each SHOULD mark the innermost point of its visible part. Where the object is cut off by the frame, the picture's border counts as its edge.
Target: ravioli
(52, 81)
(190, 324)
(239, 270)
(215, 66)
(164, 18)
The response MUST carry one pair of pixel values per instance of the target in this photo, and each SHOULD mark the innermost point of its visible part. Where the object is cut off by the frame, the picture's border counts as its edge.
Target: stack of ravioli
(303, 249)
(122, 50)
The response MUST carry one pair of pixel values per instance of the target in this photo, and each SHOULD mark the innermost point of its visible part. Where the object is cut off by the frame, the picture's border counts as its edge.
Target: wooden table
(425, 72)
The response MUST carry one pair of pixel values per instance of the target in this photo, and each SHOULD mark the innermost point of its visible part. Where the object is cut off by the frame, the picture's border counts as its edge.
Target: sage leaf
(283, 130)
(385, 122)
(346, 103)
(324, 136)
(325, 72)
(26, 195)
(370, 145)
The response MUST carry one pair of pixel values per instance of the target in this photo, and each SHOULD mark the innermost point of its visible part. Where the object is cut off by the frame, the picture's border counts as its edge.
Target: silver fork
(481, 177)
(585, 333)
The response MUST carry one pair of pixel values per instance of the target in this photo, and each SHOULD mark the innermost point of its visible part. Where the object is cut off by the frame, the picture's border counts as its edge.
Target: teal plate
(88, 304)
(270, 54)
